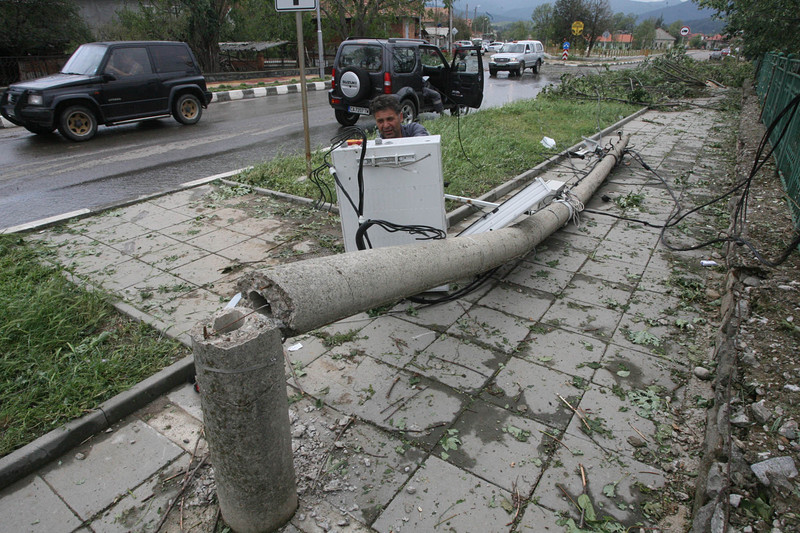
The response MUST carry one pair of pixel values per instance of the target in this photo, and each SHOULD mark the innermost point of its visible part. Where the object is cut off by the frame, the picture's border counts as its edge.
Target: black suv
(365, 68)
(110, 83)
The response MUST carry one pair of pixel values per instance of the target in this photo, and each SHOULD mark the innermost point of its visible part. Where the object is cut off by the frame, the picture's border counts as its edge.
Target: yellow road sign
(577, 27)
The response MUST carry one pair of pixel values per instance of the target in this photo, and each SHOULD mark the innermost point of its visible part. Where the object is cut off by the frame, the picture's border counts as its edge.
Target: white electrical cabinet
(402, 185)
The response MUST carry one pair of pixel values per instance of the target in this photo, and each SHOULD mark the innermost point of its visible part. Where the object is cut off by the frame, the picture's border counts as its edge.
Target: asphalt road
(45, 176)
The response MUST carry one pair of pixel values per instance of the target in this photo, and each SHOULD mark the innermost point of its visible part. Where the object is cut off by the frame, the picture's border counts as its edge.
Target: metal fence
(777, 84)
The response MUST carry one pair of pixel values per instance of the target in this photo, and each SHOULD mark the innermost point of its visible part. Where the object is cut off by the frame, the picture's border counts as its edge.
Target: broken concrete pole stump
(240, 372)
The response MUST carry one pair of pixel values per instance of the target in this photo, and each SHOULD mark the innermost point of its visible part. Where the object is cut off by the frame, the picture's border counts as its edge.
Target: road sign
(565, 55)
(565, 46)
(685, 31)
(606, 34)
(577, 27)
(295, 5)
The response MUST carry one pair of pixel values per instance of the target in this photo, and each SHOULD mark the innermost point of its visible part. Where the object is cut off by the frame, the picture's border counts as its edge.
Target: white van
(516, 56)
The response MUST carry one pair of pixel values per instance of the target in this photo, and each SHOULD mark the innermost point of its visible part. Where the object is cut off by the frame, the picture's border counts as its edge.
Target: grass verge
(497, 143)
(65, 349)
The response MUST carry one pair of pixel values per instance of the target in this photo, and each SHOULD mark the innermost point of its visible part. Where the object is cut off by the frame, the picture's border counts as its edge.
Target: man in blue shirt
(389, 119)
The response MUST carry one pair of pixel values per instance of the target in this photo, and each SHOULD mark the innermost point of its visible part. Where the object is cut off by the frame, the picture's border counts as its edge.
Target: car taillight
(333, 78)
(387, 83)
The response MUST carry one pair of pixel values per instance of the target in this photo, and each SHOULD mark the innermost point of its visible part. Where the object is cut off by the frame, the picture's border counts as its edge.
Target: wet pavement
(565, 379)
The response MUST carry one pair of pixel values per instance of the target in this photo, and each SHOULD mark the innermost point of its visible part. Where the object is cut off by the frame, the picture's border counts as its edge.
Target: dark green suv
(366, 68)
(110, 83)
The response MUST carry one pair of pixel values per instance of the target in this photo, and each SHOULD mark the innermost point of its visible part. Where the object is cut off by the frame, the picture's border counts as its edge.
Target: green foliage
(40, 27)
(374, 19)
(759, 26)
(63, 350)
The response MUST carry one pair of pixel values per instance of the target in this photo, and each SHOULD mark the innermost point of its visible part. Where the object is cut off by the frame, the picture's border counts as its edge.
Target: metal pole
(309, 294)
(240, 363)
(301, 61)
(320, 45)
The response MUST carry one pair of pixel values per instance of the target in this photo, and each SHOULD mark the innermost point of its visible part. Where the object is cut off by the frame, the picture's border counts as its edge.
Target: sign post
(565, 46)
(297, 6)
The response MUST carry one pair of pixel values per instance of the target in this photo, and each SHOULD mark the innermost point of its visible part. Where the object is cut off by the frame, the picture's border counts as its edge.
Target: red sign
(565, 55)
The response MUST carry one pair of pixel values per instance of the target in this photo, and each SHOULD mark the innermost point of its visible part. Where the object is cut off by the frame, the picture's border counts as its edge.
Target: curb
(240, 94)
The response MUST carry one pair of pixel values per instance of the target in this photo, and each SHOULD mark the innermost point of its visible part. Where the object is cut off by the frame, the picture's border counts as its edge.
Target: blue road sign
(566, 45)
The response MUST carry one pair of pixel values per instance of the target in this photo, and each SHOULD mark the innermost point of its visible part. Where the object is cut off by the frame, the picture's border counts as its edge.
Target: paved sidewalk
(569, 373)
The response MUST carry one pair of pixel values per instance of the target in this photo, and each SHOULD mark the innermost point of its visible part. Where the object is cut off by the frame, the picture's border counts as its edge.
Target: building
(618, 41)
(663, 40)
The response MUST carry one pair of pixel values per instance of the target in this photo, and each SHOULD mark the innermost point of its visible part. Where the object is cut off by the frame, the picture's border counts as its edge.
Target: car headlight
(35, 99)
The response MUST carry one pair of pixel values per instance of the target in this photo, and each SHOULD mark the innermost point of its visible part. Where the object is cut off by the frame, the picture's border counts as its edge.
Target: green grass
(63, 350)
(498, 144)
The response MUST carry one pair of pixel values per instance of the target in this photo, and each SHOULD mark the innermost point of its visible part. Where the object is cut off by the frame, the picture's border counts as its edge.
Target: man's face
(389, 122)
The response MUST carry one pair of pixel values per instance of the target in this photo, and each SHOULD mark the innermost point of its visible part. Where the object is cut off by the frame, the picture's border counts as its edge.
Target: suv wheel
(346, 119)
(77, 123)
(521, 68)
(409, 111)
(536, 66)
(492, 73)
(354, 84)
(187, 109)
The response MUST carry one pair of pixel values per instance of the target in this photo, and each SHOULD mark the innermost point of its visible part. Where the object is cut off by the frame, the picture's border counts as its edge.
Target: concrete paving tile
(437, 317)
(115, 463)
(151, 216)
(217, 240)
(498, 446)
(623, 499)
(445, 497)
(558, 254)
(249, 250)
(173, 256)
(185, 312)
(121, 233)
(635, 254)
(101, 222)
(187, 399)
(461, 365)
(176, 424)
(598, 292)
(575, 241)
(563, 350)
(617, 418)
(655, 279)
(267, 229)
(30, 505)
(629, 369)
(589, 227)
(156, 290)
(374, 465)
(600, 322)
(144, 244)
(391, 340)
(116, 277)
(142, 507)
(532, 391)
(539, 277)
(226, 217)
(302, 350)
(322, 517)
(519, 301)
(179, 199)
(202, 271)
(188, 229)
(633, 234)
(89, 257)
(537, 519)
(360, 386)
(491, 328)
(613, 270)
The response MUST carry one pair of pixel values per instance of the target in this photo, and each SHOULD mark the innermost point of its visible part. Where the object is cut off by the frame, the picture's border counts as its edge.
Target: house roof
(617, 38)
(662, 35)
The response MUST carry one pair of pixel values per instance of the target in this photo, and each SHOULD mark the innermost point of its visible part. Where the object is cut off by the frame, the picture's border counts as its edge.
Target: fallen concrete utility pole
(243, 396)
(309, 294)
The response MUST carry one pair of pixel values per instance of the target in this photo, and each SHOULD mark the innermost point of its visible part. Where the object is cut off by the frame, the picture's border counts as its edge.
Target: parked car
(726, 52)
(365, 68)
(716, 55)
(494, 46)
(516, 56)
(110, 83)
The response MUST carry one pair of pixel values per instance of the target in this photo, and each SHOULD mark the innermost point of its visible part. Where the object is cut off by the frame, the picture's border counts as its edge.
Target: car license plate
(359, 110)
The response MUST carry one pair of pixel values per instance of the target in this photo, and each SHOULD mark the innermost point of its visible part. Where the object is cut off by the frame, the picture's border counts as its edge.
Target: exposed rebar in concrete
(309, 294)
(239, 362)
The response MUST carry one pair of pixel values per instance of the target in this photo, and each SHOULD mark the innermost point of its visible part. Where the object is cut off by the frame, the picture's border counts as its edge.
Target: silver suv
(366, 68)
(516, 57)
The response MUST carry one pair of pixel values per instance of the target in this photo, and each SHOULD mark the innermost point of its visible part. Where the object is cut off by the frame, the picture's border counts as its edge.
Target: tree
(543, 23)
(674, 29)
(565, 12)
(373, 18)
(40, 27)
(257, 20)
(598, 20)
(623, 23)
(645, 33)
(519, 29)
(481, 25)
(765, 25)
